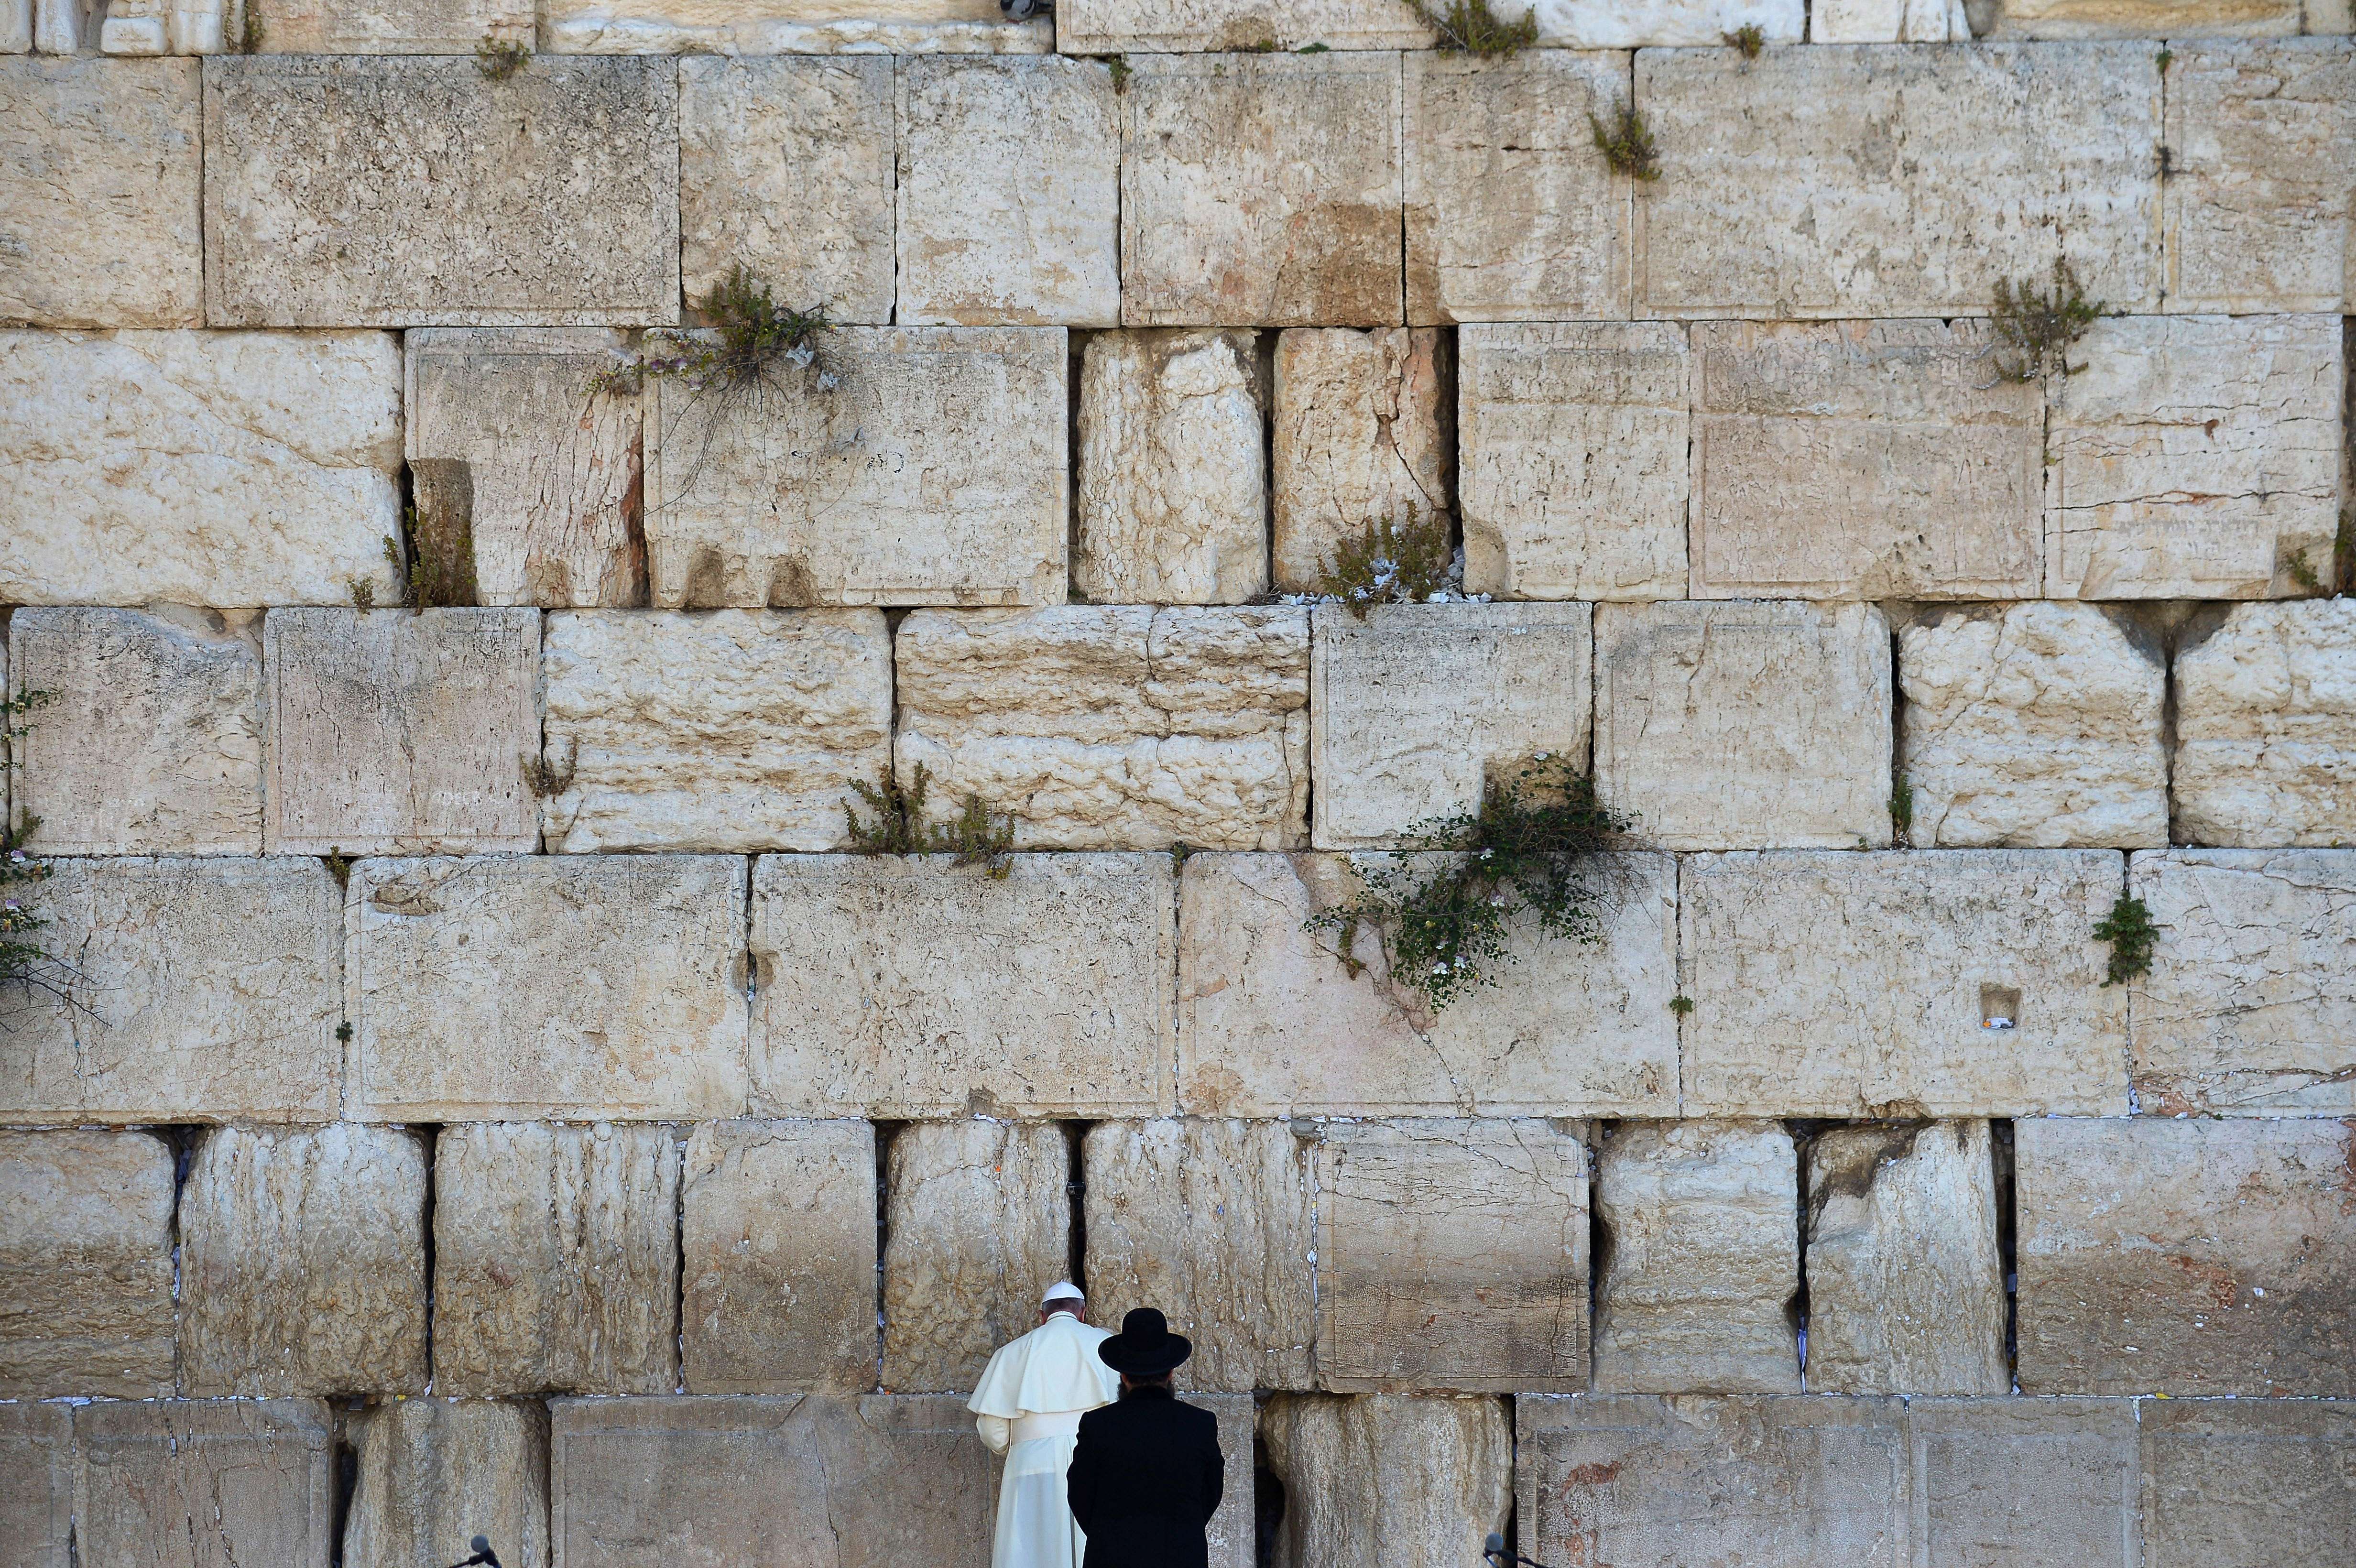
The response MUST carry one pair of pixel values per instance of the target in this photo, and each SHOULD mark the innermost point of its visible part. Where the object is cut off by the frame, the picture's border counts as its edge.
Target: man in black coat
(1145, 1478)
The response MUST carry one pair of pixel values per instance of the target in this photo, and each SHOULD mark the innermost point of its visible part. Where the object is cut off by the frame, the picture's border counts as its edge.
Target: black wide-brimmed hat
(1145, 1348)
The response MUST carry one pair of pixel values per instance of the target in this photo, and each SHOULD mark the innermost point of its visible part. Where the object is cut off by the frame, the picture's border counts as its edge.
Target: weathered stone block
(2263, 710)
(36, 1506)
(1745, 725)
(778, 1243)
(1262, 190)
(1386, 1477)
(389, 27)
(1112, 726)
(912, 988)
(2146, 19)
(197, 467)
(1618, 25)
(926, 476)
(204, 1483)
(1889, 22)
(790, 27)
(86, 1269)
(433, 1472)
(1231, 1537)
(978, 1222)
(558, 987)
(1106, 26)
(556, 1259)
(2244, 1483)
(1362, 434)
(2022, 1480)
(2186, 1256)
(1572, 460)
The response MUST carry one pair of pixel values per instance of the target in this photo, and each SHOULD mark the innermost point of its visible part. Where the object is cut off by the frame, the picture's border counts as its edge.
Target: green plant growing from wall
(975, 837)
(751, 336)
(2302, 574)
(1120, 67)
(2129, 929)
(1626, 143)
(2035, 326)
(499, 58)
(1405, 563)
(1749, 38)
(438, 564)
(1471, 27)
(2344, 552)
(1901, 806)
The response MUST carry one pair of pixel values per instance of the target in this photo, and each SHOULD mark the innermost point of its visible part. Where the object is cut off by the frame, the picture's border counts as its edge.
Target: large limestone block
(2034, 725)
(399, 731)
(1262, 190)
(1212, 1222)
(2188, 19)
(1572, 460)
(2245, 1483)
(433, 1472)
(151, 741)
(1854, 181)
(1905, 1289)
(36, 1506)
(2196, 457)
(1231, 1537)
(1387, 1477)
(824, 27)
(736, 730)
(777, 1240)
(204, 1483)
(931, 473)
(1112, 726)
(100, 165)
(2024, 1480)
(1889, 22)
(86, 1267)
(407, 191)
(207, 992)
(2266, 727)
(1451, 1255)
(1363, 433)
(197, 467)
(2186, 1256)
(390, 27)
(977, 1224)
(1273, 1022)
(558, 987)
(556, 1259)
(1640, 24)
(1174, 481)
(1764, 725)
(914, 987)
(1105, 26)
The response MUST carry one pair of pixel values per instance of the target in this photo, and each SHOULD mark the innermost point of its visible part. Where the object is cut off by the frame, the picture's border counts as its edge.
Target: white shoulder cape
(1054, 1366)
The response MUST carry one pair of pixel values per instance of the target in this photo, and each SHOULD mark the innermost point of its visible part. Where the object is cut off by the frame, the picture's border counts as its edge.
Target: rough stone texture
(101, 166)
(302, 1258)
(1212, 1222)
(897, 987)
(2031, 725)
(433, 1472)
(1272, 1023)
(1112, 726)
(1262, 190)
(1844, 181)
(1414, 708)
(572, 986)
(778, 1241)
(2149, 19)
(1231, 1537)
(1632, 24)
(1701, 1259)
(792, 27)
(152, 742)
(204, 1483)
(1388, 1478)
(2264, 715)
(977, 1222)
(735, 729)
(36, 1506)
(926, 476)
(1889, 22)
(987, 239)
(399, 731)
(2196, 457)
(86, 1268)
(1451, 1255)
(1106, 26)
(556, 1257)
(2186, 1257)
(2250, 1005)
(1905, 1288)
(2236, 1484)
(208, 991)
(1572, 459)
(404, 191)
(1745, 725)
(1173, 480)
(1862, 460)
(197, 467)
(1363, 433)
(2023, 1480)
(391, 28)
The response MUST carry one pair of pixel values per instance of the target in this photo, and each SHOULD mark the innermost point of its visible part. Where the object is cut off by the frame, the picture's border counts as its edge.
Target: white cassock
(1028, 1406)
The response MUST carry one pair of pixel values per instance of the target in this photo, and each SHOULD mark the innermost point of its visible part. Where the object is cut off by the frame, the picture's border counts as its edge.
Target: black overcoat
(1145, 1480)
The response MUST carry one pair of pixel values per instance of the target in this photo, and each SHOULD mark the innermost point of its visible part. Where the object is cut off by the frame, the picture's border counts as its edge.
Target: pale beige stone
(1745, 725)
(556, 1259)
(2146, 19)
(433, 1472)
(1174, 482)
(1388, 1478)
(152, 742)
(2024, 1480)
(1272, 1022)
(1262, 190)
(736, 730)
(1572, 459)
(2196, 457)
(86, 1267)
(1362, 436)
(1640, 24)
(1107, 27)
(1112, 726)
(897, 987)
(2186, 1256)
(303, 1262)
(2246, 1483)
(2264, 752)
(399, 731)
(1889, 22)
(819, 27)
(1451, 1255)
(37, 1521)
(561, 987)
(777, 1240)
(197, 467)
(408, 191)
(390, 27)
(204, 1483)
(1231, 1537)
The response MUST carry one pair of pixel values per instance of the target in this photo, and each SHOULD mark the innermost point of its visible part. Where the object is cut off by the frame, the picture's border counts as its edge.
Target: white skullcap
(1062, 1290)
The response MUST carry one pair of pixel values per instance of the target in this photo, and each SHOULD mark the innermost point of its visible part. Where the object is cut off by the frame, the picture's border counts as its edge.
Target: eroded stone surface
(2049, 1480)
(2240, 1483)
(390, 27)
(86, 1267)
(1620, 25)
(2266, 754)
(1362, 435)
(2145, 18)
(790, 27)
(1889, 22)
(1387, 1477)
(36, 1506)
(433, 1472)
(1103, 26)
(1231, 1537)
(204, 1483)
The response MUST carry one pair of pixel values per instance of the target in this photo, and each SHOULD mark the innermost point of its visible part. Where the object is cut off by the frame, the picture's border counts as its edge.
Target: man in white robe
(1028, 1406)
